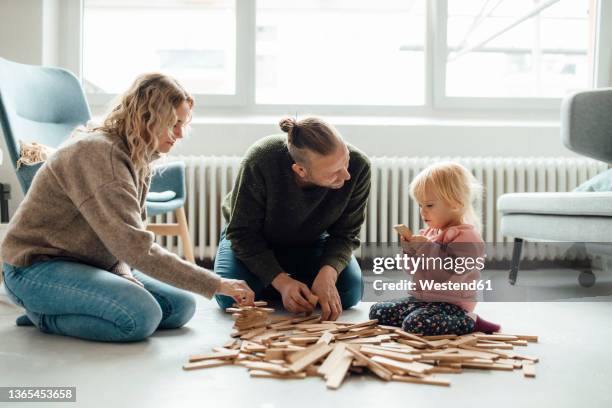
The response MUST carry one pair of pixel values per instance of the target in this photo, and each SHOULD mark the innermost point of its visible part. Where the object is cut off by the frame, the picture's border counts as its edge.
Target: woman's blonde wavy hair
(145, 111)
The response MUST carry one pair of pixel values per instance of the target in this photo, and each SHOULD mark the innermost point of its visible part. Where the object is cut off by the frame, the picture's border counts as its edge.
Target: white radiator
(210, 178)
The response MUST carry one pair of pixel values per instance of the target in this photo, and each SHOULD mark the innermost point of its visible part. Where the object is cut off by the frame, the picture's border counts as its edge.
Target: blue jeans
(301, 262)
(79, 300)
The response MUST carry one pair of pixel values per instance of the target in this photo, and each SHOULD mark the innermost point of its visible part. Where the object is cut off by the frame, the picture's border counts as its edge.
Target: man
(294, 218)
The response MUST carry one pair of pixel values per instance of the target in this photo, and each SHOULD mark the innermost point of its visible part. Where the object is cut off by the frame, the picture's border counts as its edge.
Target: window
(518, 48)
(340, 52)
(193, 41)
(348, 56)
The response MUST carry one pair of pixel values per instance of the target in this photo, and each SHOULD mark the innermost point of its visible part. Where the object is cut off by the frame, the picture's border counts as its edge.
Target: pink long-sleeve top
(461, 241)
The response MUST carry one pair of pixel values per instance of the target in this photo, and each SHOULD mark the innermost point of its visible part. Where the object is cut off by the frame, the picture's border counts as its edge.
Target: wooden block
(317, 327)
(346, 336)
(305, 319)
(464, 340)
(231, 344)
(495, 337)
(441, 337)
(524, 357)
(445, 370)
(527, 337)
(267, 374)
(499, 353)
(510, 361)
(266, 366)
(295, 355)
(494, 345)
(370, 351)
(375, 367)
(206, 364)
(403, 230)
(338, 372)
(267, 337)
(399, 347)
(422, 380)
(250, 347)
(412, 343)
(358, 325)
(448, 364)
(522, 343)
(303, 340)
(252, 333)
(488, 366)
(529, 369)
(479, 354)
(447, 357)
(332, 359)
(365, 340)
(438, 343)
(312, 371)
(326, 338)
(484, 361)
(364, 332)
(220, 354)
(315, 353)
(274, 354)
(417, 369)
(410, 336)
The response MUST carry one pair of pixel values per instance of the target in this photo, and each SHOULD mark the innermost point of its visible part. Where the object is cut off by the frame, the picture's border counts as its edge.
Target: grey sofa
(586, 128)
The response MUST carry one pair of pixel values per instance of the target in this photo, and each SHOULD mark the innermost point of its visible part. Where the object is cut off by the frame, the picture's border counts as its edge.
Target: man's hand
(295, 294)
(237, 289)
(324, 286)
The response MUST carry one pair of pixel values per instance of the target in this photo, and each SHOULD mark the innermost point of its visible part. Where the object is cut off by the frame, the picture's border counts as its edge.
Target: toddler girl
(445, 193)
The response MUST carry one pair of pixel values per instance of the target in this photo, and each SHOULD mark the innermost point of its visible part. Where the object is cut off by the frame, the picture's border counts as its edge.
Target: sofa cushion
(574, 203)
(541, 227)
(601, 182)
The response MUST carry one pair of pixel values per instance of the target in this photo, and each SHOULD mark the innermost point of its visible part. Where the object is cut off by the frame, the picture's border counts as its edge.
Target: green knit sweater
(267, 209)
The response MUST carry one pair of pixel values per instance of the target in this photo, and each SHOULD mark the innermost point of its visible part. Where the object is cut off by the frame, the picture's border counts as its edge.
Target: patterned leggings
(426, 318)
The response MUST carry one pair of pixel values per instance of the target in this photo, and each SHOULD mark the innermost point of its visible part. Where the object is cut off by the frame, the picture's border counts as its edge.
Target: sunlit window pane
(544, 55)
(340, 52)
(192, 40)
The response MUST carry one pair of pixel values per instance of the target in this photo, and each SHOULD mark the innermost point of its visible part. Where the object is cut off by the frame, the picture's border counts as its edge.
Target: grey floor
(575, 366)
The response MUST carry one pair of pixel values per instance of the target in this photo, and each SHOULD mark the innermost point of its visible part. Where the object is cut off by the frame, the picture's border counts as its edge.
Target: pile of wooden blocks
(289, 347)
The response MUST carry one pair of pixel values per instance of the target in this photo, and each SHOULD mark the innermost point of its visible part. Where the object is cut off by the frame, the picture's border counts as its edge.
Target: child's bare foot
(485, 326)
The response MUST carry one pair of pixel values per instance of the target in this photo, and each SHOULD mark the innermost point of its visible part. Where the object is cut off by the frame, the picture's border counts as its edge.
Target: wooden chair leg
(184, 234)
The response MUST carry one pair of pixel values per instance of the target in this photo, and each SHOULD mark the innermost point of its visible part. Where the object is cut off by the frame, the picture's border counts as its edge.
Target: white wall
(391, 137)
(29, 33)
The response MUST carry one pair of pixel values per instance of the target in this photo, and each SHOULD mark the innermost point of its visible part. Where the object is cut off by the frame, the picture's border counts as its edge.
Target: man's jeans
(302, 263)
(79, 300)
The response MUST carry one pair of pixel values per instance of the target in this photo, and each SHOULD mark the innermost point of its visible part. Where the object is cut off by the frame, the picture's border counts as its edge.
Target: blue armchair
(44, 105)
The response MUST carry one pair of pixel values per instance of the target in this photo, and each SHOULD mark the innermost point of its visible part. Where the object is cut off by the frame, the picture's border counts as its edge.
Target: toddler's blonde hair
(453, 184)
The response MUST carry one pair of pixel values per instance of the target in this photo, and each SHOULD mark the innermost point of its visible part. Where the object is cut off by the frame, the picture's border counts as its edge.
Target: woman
(84, 216)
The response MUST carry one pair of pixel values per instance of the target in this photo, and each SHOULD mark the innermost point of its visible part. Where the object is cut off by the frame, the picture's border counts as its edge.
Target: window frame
(435, 100)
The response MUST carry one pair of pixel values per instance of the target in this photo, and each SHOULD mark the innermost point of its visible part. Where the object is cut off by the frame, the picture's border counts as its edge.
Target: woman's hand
(131, 278)
(237, 289)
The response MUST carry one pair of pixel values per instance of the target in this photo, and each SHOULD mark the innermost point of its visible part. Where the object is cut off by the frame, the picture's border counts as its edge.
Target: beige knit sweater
(87, 204)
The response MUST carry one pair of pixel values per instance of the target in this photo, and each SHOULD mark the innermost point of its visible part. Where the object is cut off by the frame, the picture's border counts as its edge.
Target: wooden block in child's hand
(403, 230)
